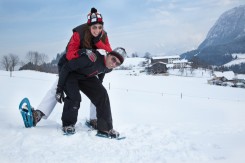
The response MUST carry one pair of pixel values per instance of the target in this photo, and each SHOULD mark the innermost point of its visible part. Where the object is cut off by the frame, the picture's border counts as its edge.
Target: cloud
(190, 9)
(157, 26)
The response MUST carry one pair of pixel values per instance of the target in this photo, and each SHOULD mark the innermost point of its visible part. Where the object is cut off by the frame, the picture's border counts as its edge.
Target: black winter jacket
(83, 67)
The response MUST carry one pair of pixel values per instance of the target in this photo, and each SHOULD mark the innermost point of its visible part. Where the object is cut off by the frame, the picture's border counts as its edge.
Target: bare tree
(33, 57)
(134, 55)
(147, 55)
(30, 56)
(192, 70)
(36, 58)
(182, 70)
(43, 58)
(6, 62)
(14, 59)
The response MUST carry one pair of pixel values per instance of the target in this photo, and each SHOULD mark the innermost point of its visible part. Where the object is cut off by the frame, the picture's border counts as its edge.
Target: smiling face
(96, 29)
(112, 61)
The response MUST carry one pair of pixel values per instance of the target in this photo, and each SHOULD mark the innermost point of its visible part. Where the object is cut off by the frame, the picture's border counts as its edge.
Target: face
(112, 61)
(96, 29)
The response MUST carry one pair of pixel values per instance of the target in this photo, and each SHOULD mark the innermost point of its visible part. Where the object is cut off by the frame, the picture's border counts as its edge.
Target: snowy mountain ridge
(229, 27)
(227, 36)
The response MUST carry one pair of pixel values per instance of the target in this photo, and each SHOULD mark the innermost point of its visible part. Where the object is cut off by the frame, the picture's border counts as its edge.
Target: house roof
(158, 63)
(167, 57)
(227, 74)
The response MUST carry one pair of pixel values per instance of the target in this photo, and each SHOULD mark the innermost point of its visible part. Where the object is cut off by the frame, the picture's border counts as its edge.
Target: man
(80, 74)
(86, 39)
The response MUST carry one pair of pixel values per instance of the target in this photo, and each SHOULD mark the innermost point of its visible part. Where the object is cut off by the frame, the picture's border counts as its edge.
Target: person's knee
(76, 105)
(102, 94)
(72, 104)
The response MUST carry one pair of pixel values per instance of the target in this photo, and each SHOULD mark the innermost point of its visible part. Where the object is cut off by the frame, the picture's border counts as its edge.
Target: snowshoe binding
(92, 124)
(111, 134)
(69, 130)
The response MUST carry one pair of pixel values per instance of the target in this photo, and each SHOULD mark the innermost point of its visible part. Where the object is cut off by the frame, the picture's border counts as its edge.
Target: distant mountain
(226, 37)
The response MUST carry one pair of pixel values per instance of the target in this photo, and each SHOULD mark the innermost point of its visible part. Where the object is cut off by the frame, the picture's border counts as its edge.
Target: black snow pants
(95, 91)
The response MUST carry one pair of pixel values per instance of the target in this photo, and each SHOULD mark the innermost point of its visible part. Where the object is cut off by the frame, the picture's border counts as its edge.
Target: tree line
(38, 62)
(33, 61)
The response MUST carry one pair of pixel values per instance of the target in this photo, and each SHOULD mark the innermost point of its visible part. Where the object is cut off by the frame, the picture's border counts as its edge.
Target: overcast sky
(161, 27)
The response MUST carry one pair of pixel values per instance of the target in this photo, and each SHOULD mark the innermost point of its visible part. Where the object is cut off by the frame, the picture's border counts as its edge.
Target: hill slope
(205, 125)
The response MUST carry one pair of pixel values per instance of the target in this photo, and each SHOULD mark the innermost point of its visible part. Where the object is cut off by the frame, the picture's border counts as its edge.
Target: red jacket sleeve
(106, 46)
(73, 47)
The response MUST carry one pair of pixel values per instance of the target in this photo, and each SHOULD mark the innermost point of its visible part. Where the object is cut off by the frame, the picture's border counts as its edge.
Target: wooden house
(157, 68)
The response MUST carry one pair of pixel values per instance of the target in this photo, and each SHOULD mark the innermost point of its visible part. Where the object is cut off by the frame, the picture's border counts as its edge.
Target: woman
(85, 40)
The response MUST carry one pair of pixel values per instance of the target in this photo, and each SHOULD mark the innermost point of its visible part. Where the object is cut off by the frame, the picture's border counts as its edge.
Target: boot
(111, 133)
(69, 130)
(37, 116)
(93, 123)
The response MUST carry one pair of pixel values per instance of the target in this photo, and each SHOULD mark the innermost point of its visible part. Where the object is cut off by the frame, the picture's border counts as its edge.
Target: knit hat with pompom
(94, 17)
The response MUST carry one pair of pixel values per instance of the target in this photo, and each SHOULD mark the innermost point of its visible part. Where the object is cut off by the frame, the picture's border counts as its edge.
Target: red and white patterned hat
(94, 17)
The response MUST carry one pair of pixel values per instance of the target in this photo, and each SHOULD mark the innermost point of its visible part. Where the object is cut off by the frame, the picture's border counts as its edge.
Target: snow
(235, 62)
(167, 119)
(167, 57)
(240, 59)
(227, 74)
(132, 62)
(238, 55)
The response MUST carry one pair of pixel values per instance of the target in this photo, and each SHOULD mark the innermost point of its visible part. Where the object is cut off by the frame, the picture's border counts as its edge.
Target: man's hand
(89, 52)
(59, 96)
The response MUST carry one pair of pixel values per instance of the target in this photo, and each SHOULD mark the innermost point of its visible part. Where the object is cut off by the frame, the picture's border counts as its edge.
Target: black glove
(59, 96)
(97, 38)
(101, 77)
(89, 52)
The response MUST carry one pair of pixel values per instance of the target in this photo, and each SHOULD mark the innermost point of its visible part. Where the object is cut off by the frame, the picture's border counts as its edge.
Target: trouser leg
(96, 92)
(48, 102)
(92, 111)
(71, 102)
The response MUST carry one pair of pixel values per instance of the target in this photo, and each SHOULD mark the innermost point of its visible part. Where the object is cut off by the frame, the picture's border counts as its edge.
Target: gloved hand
(59, 96)
(101, 77)
(97, 38)
(89, 52)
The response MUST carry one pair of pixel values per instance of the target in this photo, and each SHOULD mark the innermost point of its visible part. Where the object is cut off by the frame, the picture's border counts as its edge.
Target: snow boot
(93, 123)
(37, 116)
(110, 134)
(69, 130)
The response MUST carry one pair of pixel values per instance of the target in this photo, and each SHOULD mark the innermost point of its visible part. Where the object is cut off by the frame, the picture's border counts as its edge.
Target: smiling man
(80, 74)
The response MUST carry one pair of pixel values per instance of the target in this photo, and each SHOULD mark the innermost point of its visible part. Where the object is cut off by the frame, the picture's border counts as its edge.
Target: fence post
(181, 95)
(10, 71)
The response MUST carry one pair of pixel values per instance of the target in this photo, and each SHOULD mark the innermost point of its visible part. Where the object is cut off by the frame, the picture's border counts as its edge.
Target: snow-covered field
(167, 119)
